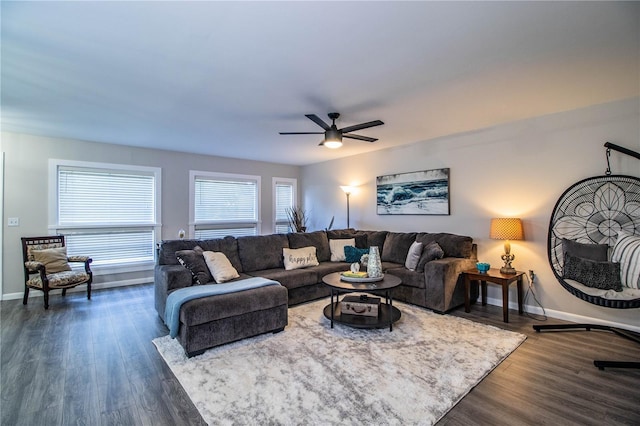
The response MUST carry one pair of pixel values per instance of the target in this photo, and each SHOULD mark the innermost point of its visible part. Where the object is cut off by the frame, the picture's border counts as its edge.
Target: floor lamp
(347, 190)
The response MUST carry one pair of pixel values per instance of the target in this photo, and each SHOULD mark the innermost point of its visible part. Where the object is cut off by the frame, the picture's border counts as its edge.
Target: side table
(494, 276)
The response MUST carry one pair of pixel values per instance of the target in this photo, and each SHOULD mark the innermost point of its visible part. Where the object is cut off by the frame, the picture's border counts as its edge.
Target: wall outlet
(13, 221)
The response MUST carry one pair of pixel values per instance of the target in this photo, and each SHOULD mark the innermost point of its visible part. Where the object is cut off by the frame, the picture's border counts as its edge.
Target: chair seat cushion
(63, 279)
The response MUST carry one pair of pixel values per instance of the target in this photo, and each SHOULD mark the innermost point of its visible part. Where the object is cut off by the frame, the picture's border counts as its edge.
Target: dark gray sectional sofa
(438, 286)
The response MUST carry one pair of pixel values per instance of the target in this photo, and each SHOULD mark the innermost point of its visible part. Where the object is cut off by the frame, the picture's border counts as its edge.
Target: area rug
(313, 375)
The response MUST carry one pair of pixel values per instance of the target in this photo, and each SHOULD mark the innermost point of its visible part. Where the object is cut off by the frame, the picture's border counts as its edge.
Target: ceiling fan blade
(302, 133)
(360, 138)
(361, 126)
(318, 121)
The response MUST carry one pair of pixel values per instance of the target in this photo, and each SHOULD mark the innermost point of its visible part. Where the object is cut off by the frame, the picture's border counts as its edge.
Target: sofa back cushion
(396, 246)
(262, 251)
(375, 238)
(168, 249)
(453, 245)
(345, 234)
(317, 239)
(228, 246)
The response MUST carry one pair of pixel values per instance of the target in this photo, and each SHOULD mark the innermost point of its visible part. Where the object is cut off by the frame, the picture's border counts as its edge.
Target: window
(223, 204)
(284, 198)
(110, 212)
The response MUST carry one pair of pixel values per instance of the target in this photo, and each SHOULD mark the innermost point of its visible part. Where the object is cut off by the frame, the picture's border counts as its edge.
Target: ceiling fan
(332, 135)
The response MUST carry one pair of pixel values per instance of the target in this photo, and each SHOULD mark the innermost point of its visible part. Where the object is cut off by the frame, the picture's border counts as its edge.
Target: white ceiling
(223, 78)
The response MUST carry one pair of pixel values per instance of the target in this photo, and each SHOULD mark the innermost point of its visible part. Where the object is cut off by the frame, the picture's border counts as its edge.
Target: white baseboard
(580, 319)
(94, 286)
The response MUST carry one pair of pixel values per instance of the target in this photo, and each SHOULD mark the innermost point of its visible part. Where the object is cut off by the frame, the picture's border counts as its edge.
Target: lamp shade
(506, 228)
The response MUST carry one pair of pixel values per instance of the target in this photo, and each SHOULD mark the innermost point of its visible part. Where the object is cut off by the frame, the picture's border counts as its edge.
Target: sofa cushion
(337, 249)
(396, 246)
(168, 249)
(431, 251)
(375, 238)
(299, 258)
(194, 261)
(262, 252)
(219, 266)
(409, 278)
(290, 279)
(207, 309)
(326, 268)
(341, 234)
(318, 239)
(453, 245)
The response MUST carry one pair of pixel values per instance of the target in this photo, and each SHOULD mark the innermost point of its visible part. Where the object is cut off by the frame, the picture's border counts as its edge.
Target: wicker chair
(36, 275)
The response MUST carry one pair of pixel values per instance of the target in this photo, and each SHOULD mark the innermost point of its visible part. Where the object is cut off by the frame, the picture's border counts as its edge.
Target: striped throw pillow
(627, 252)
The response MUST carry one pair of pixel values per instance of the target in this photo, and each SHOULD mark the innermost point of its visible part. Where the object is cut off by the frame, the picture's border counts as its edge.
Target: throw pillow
(337, 249)
(592, 273)
(53, 259)
(353, 254)
(413, 256)
(195, 263)
(431, 251)
(597, 252)
(299, 258)
(627, 251)
(220, 266)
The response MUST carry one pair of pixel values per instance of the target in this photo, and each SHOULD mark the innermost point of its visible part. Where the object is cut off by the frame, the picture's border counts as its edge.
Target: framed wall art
(423, 192)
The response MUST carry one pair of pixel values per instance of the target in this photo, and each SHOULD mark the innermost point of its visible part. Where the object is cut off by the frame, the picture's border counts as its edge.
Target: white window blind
(284, 199)
(225, 205)
(107, 214)
(94, 198)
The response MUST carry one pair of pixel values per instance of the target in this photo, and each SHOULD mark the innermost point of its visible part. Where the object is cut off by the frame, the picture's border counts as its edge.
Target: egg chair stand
(592, 211)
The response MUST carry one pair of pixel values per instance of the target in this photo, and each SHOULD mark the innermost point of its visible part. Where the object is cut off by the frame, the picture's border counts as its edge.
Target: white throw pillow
(220, 267)
(299, 258)
(337, 249)
(627, 251)
(413, 257)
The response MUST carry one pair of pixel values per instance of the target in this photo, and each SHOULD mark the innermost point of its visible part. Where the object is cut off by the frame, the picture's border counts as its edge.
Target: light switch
(13, 221)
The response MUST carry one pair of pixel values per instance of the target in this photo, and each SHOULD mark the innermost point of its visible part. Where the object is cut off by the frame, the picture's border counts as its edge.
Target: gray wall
(517, 169)
(25, 190)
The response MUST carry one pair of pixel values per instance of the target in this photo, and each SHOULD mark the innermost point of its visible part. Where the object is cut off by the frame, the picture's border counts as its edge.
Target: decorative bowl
(482, 267)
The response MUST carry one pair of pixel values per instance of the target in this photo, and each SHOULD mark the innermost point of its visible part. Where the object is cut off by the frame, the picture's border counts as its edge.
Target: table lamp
(507, 228)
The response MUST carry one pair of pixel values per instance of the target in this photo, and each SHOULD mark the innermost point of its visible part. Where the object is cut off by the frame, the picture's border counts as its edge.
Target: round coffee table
(388, 314)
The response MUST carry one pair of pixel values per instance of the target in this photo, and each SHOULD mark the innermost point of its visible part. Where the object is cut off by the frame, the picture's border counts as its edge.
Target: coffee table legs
(333, 307)
(330, 311)
(390, 303)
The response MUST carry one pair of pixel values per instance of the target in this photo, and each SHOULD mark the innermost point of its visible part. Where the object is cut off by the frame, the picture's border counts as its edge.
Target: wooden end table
(494, 276)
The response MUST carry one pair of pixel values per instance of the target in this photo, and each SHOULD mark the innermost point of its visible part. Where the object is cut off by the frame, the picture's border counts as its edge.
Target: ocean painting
(424, 192)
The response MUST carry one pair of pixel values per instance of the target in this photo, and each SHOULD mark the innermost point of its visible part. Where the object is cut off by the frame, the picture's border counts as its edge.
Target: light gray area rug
(313, 375)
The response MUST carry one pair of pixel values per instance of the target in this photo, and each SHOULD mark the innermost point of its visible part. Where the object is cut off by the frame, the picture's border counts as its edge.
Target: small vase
(374, 264)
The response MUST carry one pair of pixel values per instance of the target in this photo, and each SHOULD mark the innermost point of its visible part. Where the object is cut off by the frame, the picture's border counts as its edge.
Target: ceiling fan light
(332, 144)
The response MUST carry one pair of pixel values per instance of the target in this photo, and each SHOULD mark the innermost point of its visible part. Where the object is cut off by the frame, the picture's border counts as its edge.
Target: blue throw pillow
(353, 254)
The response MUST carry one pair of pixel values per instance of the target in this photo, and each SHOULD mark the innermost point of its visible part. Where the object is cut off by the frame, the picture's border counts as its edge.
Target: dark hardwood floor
(92, 362)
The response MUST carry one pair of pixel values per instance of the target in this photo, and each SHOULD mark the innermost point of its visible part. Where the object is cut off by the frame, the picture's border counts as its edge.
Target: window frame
(156, 226)
(223, 224)
(294, 184)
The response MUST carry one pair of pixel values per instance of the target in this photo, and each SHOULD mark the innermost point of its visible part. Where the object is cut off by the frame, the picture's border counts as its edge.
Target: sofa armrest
(443, 283)
(166, 279)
